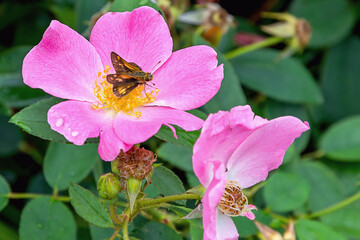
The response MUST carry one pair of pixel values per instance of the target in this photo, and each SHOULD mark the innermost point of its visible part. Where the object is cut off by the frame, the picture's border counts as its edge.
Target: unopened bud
(267, 232)
(109, 186)
(297, 31)
(136, 162)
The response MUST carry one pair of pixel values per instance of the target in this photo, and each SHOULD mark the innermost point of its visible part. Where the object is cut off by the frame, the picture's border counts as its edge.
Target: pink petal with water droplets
(76, 121)
(64, 64)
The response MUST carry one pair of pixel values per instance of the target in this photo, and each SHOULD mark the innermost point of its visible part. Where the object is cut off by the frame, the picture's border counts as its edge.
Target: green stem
(34, 195)
(125, 227)
(316, 154)
(335, 206)
(184, 196)
(113, 214)
(115, 234)
(242, 50)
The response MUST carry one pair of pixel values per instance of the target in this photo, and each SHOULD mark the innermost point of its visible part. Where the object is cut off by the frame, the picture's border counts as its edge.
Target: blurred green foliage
(320, 86)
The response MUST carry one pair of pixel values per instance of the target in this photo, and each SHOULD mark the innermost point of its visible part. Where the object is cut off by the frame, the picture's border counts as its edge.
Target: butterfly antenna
(155, 66)
(150, 85)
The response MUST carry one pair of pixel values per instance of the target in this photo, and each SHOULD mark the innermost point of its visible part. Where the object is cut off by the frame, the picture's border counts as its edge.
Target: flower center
(233, 202)
(136, 98)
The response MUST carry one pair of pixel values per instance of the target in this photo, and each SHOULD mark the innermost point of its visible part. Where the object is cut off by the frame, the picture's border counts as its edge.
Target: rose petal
(134, 130)
(188, 79)
(110, 145)
(212, 198)
(64, 64)
(225, 228)
(221, 134)
(76, 120)
(264, 150)
(141, 36)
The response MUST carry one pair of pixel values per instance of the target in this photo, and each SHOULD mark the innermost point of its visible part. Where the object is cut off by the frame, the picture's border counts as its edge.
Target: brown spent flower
(303, 32)
(136, 162)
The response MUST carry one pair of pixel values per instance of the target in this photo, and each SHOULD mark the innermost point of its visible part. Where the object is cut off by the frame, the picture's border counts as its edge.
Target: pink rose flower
(236, 150)
(66, 65)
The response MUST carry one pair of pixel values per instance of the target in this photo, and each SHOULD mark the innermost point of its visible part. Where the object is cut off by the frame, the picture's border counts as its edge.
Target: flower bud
(297, 31)
(136, 162)
(109, 186)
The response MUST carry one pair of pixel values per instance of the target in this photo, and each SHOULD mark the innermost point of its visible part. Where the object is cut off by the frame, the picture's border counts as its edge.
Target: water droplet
(59, 122)
(74, 133)
(40, 225)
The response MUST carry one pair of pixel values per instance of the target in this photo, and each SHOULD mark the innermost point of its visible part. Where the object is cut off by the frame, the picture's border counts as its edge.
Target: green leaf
(312, 230)
(348, 175)
(98, 233)
(345, 220)
(339, 80)
(88, 206)
(13, 91)
(65, 14)
(176, 155)
(156, 231)
(181, 212)
(129, 5)
(246, 227)
(185, 138)
(285, 192)
(60, 156)
(7, 232)
(192, 180)
(167, 183)
(45, 219)
(196, 233)
(274, 109)
(230, 93)
(33, 120)
(11, 137)
(341, 142)
(84, 10)
(330, 20)
(4, 189)
(285, 80)
(323, 183)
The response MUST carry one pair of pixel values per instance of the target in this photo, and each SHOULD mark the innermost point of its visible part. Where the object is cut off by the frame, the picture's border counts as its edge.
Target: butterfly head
(148, 77)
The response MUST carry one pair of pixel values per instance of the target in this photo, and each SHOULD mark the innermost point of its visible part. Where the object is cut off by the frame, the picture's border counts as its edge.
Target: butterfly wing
(122, 90)
(119, 78)
(121, 66)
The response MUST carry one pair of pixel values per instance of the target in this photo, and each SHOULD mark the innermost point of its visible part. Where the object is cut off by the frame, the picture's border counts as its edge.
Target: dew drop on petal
(40, 225)
(74, 133)
(59, 122)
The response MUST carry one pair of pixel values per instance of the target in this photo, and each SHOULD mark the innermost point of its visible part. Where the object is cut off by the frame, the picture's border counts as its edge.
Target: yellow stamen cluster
(103, 91)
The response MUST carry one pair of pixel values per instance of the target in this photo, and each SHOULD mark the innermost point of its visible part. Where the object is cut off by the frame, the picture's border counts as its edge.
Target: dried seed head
(233, 201)
(136, 162)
